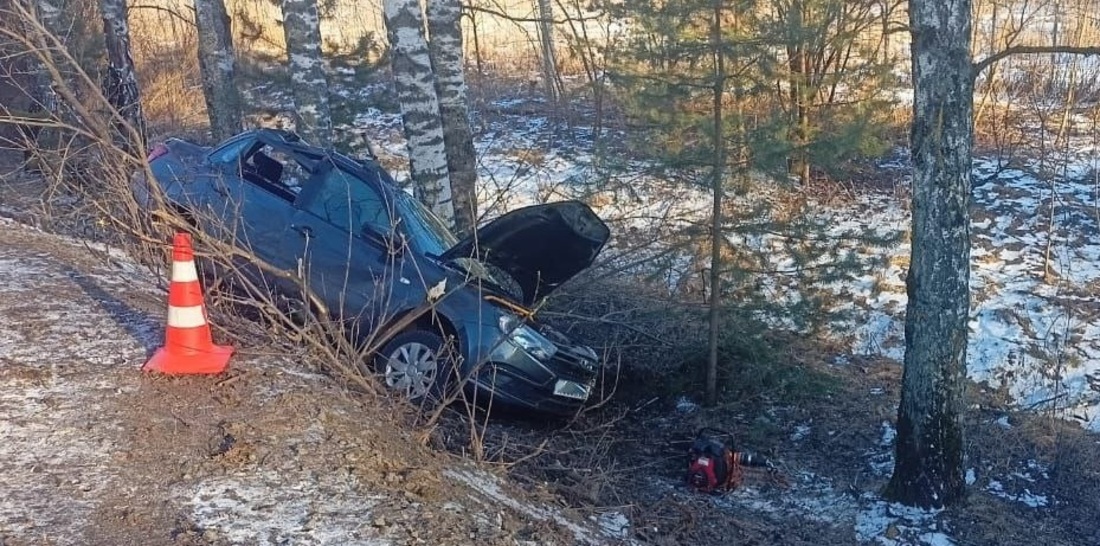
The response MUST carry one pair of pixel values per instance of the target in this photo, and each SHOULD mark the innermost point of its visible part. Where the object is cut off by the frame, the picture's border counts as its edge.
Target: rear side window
(350, 204)
(230, 154)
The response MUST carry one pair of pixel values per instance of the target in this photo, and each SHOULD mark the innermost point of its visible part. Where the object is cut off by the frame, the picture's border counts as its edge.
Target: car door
(251, 211)
(338, 236)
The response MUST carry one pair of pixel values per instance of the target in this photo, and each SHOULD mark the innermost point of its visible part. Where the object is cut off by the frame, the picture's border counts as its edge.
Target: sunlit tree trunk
(301, 27)
(546, 41)
(413, 78)
(120, 84)
(929, 453)
(798, 81)
(445, 48)
(218, 63)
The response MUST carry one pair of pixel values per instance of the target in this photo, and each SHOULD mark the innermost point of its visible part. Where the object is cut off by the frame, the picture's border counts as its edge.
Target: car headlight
(527, 338)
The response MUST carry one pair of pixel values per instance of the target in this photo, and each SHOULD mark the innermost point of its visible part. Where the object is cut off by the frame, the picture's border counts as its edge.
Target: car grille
(572, 366)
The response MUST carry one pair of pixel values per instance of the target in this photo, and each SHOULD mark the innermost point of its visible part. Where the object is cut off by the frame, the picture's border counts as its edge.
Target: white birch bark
(120, 84)
(218, 64)
(445, 49)
(301, 27)
(415, 83)
(930, 451)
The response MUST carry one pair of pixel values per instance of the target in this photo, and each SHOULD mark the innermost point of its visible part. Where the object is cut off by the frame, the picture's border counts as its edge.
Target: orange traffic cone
(188, 347)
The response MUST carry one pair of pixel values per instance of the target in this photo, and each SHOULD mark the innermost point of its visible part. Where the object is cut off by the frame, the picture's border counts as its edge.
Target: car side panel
(351, 275)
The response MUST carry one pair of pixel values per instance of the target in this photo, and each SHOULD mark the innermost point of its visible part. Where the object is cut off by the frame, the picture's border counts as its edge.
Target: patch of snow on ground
(613, 524)
(810, 496)
(892, 524)
(874, 521)
(62, 358)
(1023, 485)
(685, 405)
(267, 510)
(800, 432)
(489, 486)
(1026, 496)
(888, 434)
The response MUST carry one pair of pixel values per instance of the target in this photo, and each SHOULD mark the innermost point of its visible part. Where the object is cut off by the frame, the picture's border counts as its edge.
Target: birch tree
(47, 14)
(120, 84)
(218, 64)
(546, 39)
(301, 27)
(445, 50)
(929, 450)
(415, 84)
(928, 468)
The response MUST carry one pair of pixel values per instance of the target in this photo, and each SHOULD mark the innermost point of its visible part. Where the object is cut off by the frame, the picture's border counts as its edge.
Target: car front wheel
(417, 364)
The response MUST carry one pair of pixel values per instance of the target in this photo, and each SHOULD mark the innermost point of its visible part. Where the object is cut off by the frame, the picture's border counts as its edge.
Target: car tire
(418, 364)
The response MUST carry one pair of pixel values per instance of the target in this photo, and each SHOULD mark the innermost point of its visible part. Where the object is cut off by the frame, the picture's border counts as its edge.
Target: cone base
(211, 361)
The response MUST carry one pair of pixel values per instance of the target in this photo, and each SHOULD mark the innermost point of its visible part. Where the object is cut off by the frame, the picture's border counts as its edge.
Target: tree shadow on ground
(142, 327)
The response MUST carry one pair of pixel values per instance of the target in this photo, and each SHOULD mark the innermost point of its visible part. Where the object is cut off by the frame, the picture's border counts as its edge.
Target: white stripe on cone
(184, 271)
(186, 317)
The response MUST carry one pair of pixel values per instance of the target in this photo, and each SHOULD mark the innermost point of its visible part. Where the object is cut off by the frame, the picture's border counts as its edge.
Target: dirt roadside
(96, 452)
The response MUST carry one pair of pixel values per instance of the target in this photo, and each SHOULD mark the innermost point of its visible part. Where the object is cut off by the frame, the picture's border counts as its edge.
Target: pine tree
(681, 67)
(832, 82)
(699, 74)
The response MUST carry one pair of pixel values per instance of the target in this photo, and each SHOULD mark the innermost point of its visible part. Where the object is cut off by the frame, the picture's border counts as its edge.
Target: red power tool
(714, 467)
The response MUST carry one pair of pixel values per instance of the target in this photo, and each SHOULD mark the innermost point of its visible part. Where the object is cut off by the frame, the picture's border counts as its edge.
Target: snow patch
(266, 510)
(891, 524)
(489, 486)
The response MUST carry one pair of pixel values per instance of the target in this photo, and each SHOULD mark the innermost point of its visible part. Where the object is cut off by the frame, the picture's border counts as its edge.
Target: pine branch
(1030, 50)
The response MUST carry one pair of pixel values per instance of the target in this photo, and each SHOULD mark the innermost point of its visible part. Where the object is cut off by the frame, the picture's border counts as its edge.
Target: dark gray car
(373, 254)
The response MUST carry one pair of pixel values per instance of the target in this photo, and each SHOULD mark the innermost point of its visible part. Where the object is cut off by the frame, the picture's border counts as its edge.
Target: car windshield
(424, 226)
(435, 239)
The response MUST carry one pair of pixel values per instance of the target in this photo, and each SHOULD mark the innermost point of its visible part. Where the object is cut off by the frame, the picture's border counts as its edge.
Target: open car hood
(540, 246)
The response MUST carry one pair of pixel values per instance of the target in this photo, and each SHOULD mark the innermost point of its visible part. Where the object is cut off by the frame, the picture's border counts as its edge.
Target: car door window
(278, 170)
(351, 204)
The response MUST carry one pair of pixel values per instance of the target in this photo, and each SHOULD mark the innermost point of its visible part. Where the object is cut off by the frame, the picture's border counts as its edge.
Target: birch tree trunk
(413, 78)
(546, 39)
(48, 14)
(120, 84)
(218, 64)
(445, 50)
(301, 27)
(929, 452)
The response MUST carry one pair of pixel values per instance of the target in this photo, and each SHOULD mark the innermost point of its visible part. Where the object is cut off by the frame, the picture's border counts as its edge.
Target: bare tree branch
(171, 12)
(1031, 50)
(518, 19)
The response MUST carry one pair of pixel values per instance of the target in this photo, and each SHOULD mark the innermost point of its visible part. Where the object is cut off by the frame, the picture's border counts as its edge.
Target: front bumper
(512, 377)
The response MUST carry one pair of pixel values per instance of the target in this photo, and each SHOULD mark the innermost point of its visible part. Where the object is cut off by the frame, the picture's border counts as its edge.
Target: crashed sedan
(378, 259)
